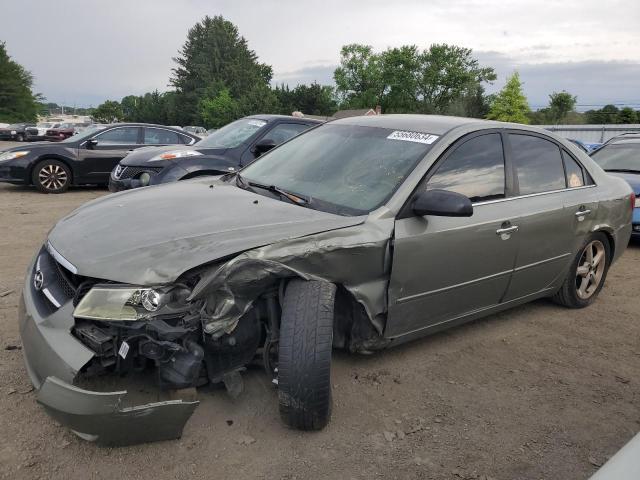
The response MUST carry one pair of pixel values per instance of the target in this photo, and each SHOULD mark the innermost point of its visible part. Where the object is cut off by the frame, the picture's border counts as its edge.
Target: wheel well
(612, 243)
(40, 160)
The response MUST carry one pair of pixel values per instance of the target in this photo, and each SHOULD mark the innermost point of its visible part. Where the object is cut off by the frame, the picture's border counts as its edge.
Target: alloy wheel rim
(590, 269)
(52, 177)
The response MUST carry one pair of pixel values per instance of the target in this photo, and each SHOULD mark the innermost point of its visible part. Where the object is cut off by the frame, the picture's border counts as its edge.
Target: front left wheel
(304, 355)
(51, 176)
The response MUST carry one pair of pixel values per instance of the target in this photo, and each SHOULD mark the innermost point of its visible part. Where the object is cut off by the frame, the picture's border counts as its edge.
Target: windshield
(233, 134)
(45, 125)
(352, 167)
(86, 133)
(16, 125)
(618, 157)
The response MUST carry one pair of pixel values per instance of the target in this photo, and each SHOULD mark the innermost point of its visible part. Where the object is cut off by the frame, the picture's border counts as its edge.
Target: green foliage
(627, 115)
(314, 99)
(17, 101)
(108, 112)
(606, 114)
(510, 104)
(560, 104)
(215, 57)
(406, 79)
(219, 110)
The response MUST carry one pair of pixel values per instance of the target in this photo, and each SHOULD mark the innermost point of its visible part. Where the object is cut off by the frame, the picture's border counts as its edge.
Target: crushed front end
(77, 331)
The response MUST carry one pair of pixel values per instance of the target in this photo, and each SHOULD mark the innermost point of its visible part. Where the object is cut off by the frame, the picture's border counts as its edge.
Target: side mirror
(264, 146)
(92, 143)
(442, 203)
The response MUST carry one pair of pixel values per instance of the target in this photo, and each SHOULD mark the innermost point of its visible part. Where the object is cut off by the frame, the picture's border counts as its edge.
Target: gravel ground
(538, 392)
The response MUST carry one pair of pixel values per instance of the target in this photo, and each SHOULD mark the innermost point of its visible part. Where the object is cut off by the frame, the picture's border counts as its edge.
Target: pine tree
(17, 101)
(510, 104)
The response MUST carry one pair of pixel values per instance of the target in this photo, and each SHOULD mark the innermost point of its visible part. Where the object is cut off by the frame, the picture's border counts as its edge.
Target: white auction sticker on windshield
(413, 137)
(257, 123)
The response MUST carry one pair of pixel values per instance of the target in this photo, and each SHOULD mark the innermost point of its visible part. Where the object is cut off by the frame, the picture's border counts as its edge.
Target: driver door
(445, 268)
(98, 158)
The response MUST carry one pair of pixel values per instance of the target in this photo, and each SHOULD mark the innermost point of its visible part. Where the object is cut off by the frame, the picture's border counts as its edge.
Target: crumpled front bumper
(53, 358)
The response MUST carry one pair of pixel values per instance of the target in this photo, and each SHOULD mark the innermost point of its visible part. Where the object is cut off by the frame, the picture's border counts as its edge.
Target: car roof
(435, 124)
(269, 117)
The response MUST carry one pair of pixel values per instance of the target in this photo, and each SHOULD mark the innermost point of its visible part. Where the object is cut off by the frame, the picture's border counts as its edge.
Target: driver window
(474, 169)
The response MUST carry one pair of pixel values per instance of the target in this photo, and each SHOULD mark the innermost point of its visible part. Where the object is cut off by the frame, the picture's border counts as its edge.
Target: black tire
(304, 355)
(19, 138)
(51, 176)
(568, 294)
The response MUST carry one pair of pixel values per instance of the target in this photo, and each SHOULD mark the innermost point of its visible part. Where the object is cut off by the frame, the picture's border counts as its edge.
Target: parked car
(362, 234)
(585, 146)
(86, 158)
(199, 131)
(227, 149)
(620, 156)
(39, 131)
(15, 131)
(61, 132)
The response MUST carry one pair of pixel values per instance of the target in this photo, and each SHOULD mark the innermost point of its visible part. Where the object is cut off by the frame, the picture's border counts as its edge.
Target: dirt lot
(538, 392)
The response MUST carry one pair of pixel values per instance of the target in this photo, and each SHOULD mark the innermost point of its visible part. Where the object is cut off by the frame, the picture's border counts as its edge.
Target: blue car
(620, 156)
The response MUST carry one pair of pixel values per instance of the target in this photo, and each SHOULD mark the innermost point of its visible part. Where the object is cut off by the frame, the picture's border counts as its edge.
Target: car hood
(150, 236)
(29, 147)
(632, 179)
(141, 157)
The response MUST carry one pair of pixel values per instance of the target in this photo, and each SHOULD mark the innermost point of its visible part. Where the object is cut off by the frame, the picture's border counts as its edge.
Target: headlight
(13, 132)
(175, 154)
(13, 155)
(126, 303)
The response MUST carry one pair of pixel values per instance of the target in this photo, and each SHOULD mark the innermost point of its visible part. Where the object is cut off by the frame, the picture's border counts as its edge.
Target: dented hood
(152, 235)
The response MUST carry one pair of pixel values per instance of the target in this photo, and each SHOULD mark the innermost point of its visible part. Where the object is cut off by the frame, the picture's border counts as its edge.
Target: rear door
(555, 211)
(446, 267)
(97, 161)
(162, 136)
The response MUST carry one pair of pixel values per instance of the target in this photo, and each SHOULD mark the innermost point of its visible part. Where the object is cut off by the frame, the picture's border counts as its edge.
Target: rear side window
(538, 163)
(474, 169)
(575, 173)
(159, 136)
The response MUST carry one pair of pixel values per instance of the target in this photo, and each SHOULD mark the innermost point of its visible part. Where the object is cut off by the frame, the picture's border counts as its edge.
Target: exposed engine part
(183, 368)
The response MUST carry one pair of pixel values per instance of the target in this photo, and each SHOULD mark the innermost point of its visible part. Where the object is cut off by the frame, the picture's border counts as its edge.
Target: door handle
(582, 213)
(507, 230)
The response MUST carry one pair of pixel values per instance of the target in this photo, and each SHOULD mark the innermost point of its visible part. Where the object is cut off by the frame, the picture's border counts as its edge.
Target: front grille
(32, 131)
(132, 172)
(62, 276)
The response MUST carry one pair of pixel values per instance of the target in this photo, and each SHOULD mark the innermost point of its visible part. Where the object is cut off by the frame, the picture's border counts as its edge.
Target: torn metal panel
(356, 257)
(100, 417)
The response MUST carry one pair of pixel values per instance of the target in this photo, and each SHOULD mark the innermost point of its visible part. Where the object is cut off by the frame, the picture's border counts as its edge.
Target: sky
(83, 52)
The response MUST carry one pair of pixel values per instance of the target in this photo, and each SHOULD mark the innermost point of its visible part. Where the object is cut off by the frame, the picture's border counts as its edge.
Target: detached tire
(587, 273)
(51, 176)
(304, 358)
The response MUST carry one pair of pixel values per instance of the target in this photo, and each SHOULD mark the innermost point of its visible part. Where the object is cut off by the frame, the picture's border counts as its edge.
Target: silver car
(360, 234)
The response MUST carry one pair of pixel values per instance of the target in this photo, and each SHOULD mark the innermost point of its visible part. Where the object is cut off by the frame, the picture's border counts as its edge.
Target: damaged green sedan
(360, 234)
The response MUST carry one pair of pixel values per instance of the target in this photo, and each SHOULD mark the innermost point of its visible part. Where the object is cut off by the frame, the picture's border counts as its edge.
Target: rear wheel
(51, 176)
(587, 273)
(304, 358)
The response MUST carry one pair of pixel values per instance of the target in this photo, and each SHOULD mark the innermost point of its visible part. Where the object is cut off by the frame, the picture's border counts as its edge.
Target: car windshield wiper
(622, 170)
(293, 197)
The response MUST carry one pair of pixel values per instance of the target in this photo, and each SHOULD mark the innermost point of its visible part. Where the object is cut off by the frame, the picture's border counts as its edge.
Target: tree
(510, 104)
(215, 57)
(560, 104)
(607, 114)
(18, 103)
(627, 115)
(406, 79)
(314, 99)
(219, 110)
(108, 112)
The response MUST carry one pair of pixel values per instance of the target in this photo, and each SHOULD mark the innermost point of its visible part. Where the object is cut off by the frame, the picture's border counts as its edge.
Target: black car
(85, 158)
(225, 150)
(15, 131)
